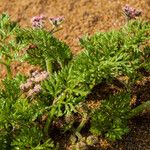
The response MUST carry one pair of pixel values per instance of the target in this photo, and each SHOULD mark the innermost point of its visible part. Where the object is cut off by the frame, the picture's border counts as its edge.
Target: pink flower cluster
(32, 86)
(131, 12)
(37, 88)
(56, 21)
(37, 21)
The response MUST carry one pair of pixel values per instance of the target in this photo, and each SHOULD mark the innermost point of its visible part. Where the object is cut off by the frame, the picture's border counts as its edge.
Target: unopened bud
(56, 21)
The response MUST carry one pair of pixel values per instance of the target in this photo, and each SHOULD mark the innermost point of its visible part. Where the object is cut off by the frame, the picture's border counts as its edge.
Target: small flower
(26, 86)
(35, 73)
(40, 76)
(32, 86)
(44, 74)
(56, 21)
(37, 21)
(131, 12)
(30, 93)
(37, 88)
(38, 79)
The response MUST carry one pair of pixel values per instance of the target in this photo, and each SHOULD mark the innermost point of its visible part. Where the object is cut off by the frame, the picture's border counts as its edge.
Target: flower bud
(37, 21)
(131, 12)
(56, 21)
(37, 88)
(30, 93)
(26, 86)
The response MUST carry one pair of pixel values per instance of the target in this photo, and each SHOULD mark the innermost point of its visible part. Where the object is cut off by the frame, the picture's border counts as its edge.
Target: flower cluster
(37, 21)
(32, 86)
(56, 21)
(131, 12)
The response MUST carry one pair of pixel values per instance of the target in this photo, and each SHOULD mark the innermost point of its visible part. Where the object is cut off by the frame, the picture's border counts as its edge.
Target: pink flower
(32, 86)
(37, 88)
(26, 86)
(44, 74)
(56, 21)
(131, 12)
(38, 77)
(35, 73)
(30, 93)
(37, 21)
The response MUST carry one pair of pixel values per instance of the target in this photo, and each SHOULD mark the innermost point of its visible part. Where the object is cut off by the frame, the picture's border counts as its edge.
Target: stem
(52, 112)
(9, 72)
(139, 109)
(55, 30)
(83, 122)
(49, 66)
(8, 68)
(49, 120)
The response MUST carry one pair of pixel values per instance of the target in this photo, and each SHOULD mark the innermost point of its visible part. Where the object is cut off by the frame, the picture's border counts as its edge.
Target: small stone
(81, 146)
(92, 140)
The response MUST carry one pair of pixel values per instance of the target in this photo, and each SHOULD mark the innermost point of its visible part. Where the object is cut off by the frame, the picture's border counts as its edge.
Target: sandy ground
(81, 16)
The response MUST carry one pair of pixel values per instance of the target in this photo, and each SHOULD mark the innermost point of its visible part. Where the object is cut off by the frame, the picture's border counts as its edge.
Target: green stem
(52, 111)
(8, 68)
(49, 66)
(139, 109)
(49, 120)
(83, 122)
(55, 30)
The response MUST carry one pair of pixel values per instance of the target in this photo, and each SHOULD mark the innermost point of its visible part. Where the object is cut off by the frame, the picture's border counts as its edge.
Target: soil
(81, 16)
(87, 17)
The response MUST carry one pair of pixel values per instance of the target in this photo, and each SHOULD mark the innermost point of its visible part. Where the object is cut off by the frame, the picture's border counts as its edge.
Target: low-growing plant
(31, 106)
(111, 118)
(8, 46)
(107, 56)
(43, 49)
(18, 117)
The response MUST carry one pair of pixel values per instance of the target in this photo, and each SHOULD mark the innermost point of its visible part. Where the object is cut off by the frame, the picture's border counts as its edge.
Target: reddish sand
(81, 16)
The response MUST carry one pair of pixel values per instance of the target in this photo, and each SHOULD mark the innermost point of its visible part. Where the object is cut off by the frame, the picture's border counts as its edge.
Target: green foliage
(8, 45)
(29, 138)
(9, 93)
(7, 27)
(18, 118)
(105, 57)
(11, 88)
(47, 48)
(128, 43)
(112, 117)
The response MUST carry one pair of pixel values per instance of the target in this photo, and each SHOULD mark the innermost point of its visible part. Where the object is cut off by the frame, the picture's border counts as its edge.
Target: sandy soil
(81, 16)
